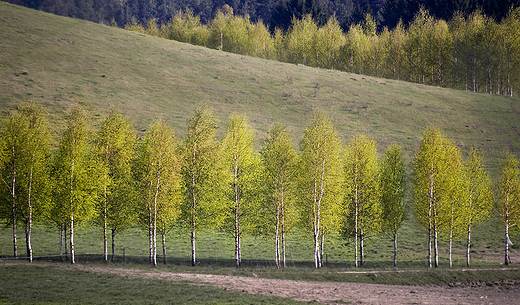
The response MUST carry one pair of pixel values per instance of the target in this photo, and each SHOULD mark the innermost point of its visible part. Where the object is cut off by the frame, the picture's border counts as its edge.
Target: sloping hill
(57, 62)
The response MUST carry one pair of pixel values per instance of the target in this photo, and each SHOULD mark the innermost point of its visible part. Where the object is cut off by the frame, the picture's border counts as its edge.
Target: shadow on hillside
(246, 263)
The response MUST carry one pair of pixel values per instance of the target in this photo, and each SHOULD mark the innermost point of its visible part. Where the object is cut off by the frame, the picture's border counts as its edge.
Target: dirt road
(339, 293)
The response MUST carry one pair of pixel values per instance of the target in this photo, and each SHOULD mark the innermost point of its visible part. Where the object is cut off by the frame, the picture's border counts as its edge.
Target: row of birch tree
(115, 179)
(474, 53)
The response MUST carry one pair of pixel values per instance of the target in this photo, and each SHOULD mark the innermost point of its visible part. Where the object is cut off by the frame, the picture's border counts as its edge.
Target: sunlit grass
(36, 284)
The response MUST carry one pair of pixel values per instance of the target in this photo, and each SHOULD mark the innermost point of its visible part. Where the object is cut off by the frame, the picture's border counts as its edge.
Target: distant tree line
(114, 179)
(275, 13)
(474, 53)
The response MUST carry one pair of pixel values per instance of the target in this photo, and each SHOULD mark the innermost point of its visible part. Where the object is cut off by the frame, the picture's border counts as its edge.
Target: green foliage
(24, 168)
(392, 189)
(185, 27)
(477, 189)
(156, 172)
(76, 175)
(432, 178)
(114, 150)
(202, 172)
(301, 41)
(437, 185)
(320, 180)
(508, 203)
(477, 194)
(203, 179)
(243, 185)
(135, 26)
(279, 164)
(362, 186)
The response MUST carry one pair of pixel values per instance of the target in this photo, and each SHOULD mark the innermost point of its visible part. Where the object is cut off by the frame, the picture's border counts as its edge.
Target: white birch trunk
(13, 197)
(237, 214)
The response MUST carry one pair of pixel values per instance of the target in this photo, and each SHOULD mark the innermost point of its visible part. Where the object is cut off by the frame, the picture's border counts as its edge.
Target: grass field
(58, 62)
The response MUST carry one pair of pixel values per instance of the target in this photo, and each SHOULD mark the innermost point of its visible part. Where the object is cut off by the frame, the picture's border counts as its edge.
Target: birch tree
(242, 168)
(321, 178)
(14, 140)
(202, 176)
(478, 196)
(432, 186)
(279, 162)
(330, 38)
(75, 175)
(35, 181)
(301, 41)
(260, 41)
(114, 147)
(454, 194)
(392, 192)
(362, 187)
(156, 171)
(508, 204)
(24, 148)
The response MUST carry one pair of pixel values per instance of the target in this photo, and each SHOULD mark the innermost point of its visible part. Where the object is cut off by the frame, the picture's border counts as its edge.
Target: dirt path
(333, 292)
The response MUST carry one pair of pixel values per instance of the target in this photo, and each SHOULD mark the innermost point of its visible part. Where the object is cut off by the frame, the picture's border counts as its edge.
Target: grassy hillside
(58, 62)
(73, 61)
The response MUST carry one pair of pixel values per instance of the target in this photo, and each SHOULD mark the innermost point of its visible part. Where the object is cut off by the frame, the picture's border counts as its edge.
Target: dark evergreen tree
(285, 11)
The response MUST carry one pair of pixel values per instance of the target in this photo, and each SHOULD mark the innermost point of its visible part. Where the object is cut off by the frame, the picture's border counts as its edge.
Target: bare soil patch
(504, 292)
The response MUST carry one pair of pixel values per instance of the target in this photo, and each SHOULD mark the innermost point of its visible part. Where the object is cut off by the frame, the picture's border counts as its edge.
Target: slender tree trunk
(318, 220)
(450, 247)
(469, 242)
(61, 243)
(105, 237)
(395, 248)
(193, 261)
(281, 209)
(72, 250)
(451, 236)
(150, 232)
(28, 229)
(113, 245)
(435, 245)
(13, 197)
(163, 233)
(154, 222)
(356, 212)
(237, 215)
(283, 240)
(469, 222)
(361, 249)
(431, 200)
(507, 259)
(193, 205)
(154, 240)
(316, 247)
(277, 237)
(28, 243)
(322, 244)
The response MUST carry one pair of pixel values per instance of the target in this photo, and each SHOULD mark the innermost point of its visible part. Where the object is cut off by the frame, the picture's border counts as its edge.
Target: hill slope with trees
(59, 63)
